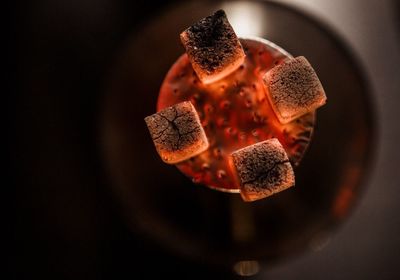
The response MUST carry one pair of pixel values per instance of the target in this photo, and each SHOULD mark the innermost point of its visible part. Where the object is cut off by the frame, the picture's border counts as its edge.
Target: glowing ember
(262, 169)
(177, 133)
(234, 113)
(212, 47)
(294, 89)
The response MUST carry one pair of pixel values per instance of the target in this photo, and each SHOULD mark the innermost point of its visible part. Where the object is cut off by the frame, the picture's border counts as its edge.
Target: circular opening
(218, 228)
(234, 113)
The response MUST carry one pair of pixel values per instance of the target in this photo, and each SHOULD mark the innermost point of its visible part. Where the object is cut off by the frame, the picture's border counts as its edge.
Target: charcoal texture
(176, 132)
(294, 89)
(212, 44)
(263, 169)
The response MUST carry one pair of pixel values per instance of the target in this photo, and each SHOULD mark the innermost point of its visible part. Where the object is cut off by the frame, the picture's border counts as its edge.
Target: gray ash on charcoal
(211, 41)
(263, 169)
(176, 132)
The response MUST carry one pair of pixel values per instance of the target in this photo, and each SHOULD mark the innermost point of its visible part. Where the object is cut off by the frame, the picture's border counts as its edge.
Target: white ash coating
(212, 46)
(294, 89)
(177, 132)
(263, 169)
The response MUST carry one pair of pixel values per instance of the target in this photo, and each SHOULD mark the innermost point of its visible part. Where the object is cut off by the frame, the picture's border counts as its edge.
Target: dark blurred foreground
(69, 223)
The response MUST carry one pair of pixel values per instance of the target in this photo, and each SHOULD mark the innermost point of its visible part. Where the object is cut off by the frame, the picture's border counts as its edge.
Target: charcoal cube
(213, 47)
(177, 132)
(262, 169)
(293, 89)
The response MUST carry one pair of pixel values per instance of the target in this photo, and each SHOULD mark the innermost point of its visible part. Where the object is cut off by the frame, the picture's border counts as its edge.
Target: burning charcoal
(294, 89)
(262, 169)
(213, 47)
(235, 113)
(177, 132)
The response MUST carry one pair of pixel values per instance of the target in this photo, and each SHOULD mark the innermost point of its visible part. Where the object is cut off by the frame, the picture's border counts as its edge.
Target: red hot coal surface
(234, 113)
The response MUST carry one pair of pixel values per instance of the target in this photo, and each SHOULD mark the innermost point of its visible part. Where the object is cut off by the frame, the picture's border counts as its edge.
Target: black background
(66, 224)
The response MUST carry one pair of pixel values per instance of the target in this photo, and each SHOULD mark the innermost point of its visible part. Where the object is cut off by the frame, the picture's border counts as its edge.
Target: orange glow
(346, 194)
(235, 113)
(246, 268)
